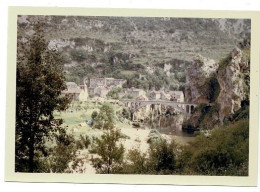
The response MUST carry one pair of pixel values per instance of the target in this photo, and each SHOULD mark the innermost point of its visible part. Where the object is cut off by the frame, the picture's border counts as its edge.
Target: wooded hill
(127, 47)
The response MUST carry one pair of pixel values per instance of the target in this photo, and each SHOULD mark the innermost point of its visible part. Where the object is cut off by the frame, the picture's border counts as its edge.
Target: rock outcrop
(201, 69)
(233, 87)
(218, 88)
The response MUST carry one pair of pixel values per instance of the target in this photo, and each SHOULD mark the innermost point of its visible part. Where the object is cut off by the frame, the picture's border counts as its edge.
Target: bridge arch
(134, 105)
(141, 105)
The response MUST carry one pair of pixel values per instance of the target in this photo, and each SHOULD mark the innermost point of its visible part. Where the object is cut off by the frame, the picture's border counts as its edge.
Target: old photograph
(132, 95)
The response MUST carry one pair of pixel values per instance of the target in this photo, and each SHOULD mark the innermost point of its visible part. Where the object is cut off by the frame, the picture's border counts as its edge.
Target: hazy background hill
(151, 53)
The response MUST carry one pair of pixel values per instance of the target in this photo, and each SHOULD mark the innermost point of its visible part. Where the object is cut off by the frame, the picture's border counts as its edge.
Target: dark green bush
(78, 54)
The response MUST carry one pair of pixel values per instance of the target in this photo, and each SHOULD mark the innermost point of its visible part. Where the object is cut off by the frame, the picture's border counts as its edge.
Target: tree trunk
(31, 151)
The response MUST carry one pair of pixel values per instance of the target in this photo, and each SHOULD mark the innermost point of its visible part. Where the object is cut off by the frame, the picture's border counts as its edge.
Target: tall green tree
(109, 153)
(39, 83)
(106, 117)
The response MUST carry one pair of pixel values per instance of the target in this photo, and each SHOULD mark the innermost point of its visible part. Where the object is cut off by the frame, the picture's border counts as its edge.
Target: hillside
(125, 47)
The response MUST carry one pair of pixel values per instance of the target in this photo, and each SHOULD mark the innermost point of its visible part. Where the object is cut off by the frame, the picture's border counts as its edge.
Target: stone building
(101, 86)
(101, 91)
(135, 92)
(142, 98)
(155, 95)
(72, 90)
(177, 96)
(106, 82)
(159, 95)
(165, 96)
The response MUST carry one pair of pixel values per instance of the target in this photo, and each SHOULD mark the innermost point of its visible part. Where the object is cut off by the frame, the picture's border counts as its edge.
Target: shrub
(224, 62)
(161, 158)
(154, 136)
(137, 162)
(63, 153)
(109, 153)
(224, 152)
(78, 54)
(84, 142)
(106, 117)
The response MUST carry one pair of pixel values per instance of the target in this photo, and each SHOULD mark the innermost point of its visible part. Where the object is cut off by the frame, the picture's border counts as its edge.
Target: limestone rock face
(232, 84)
(231, 76)
(201, 69)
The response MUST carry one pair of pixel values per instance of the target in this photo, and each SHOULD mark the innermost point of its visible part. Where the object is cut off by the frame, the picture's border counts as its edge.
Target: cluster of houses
(76, 92)
(99, 87)
(176, 96)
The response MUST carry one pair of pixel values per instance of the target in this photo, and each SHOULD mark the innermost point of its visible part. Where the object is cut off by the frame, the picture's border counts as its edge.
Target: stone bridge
(183, 107)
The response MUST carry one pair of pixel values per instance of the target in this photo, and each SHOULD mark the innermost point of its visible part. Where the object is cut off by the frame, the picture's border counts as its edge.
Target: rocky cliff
(197, 78)
(233, 78)
(218, 88)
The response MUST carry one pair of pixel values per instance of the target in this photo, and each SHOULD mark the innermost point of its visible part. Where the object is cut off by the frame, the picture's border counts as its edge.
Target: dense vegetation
(125, 47)
(38, 87)
(222, 151)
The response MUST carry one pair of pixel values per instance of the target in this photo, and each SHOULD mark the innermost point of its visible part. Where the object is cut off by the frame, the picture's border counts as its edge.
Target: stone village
(136, 98)
(100, 87)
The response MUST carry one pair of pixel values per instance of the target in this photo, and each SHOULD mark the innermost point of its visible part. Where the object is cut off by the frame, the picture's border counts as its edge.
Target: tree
(105, 118)
(62, 153)
(136, 162)
(162, 157)
(224, 151)
(39, 83)
(159, 159)
(94, 115)
(110, 153)
(114, 92)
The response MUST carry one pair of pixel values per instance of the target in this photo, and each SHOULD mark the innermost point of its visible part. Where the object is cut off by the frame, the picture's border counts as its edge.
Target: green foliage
(113, 93)
(105, 118)
(94, 115)
(63, 153)
(161, 157)
(154, 136)
(83, 142)
(40, 81)
(126, 113)
(109, 153)
(223, 152)
(224, 62)
(136, 162)
(127, 96)
(78, 54)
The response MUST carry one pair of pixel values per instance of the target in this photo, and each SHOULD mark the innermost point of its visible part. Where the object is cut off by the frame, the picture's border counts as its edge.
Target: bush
(224, 62)
(137, 162)
(83, 143)
(78, 54)
(109, 153)
(224, 152)
(106, 117)
(161, 157)
(114, 92)
(94, 115)
(126, 113)
(63, 153)
(154, 136)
